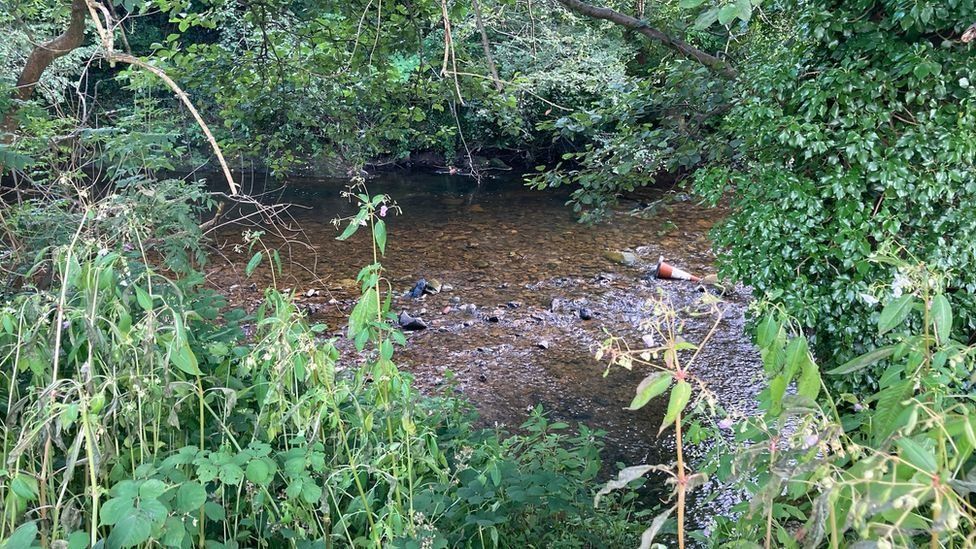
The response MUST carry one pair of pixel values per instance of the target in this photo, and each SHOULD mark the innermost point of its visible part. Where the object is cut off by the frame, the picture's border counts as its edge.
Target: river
(529, 267)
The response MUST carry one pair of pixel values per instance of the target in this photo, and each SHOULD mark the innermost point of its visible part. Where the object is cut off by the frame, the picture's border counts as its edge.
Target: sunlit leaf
(679, 399)
(652, 386)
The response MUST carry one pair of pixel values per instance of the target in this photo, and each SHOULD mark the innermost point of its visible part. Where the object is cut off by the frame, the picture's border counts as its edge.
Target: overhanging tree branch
(652, 33)
(40, 59)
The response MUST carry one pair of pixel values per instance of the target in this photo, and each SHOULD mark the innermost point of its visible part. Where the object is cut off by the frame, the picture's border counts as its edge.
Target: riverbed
(544, 291)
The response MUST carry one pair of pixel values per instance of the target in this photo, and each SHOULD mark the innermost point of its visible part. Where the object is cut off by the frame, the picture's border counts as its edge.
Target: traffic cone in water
(663, 270)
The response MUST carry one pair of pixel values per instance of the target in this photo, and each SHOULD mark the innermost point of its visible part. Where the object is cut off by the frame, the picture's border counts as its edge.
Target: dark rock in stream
(585, 314)
(410, 323)
(418, 289)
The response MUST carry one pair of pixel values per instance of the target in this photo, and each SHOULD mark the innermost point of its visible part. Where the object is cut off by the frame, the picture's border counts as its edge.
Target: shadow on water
(522, 259)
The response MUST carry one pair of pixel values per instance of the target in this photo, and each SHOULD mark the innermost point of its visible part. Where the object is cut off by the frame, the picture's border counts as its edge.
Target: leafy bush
(892, 467)
(140, 408)
(856, 140)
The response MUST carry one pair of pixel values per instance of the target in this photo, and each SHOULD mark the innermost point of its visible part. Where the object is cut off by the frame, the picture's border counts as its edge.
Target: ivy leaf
(679, 399)
(942, 318)
(894, 313)
(650, 387)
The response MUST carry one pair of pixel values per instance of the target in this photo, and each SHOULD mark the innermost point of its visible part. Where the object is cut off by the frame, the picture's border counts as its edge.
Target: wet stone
(410, 323)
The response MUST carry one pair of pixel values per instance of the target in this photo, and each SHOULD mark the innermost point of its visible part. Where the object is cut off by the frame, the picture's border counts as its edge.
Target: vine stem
(682, 483)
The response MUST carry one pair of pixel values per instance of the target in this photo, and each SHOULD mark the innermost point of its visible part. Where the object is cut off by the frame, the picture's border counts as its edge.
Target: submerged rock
(585, 314)
(624, 258)
(410, 323)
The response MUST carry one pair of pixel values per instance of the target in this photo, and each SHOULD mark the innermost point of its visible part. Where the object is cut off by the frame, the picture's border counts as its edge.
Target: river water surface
(522, 259)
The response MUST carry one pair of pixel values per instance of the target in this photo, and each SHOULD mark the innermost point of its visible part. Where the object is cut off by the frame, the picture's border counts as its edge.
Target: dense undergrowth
(140, 408)
(891, 467)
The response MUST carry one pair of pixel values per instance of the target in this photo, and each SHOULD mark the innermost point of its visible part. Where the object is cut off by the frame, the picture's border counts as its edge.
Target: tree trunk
(642, 27)
(40, 59)
(484, 43)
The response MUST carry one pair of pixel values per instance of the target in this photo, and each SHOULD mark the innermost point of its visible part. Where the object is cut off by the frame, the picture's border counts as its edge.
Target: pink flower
(383, 211)
(725, 423)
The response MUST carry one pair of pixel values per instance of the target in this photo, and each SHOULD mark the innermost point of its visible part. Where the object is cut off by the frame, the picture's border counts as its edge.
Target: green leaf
(809, 383)
(777, 390)
(942, 318)
(894, 313)
(727, 14)
(132, 529)
(152, 489)
(690, 3)
(13, 160)
(114, 509)
(863, 361)
(797, 354)
(379, 233)
(190, 497)
(142, 297)
(354, 225)
(679, 399)
(652, 386)
(259, 472)
(706, 19)
(916, 454)
(743, 10)
(625, 477)
(183, 358)
(79, 539)
(768, 331)
(253, 263)
(25, 487)
(22, 538)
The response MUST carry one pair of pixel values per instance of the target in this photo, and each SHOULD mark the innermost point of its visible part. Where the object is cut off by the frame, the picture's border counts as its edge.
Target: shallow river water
(529, 267)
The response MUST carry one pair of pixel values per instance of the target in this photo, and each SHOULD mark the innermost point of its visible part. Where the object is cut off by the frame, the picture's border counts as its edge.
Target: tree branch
(676, 44)
(41, 58)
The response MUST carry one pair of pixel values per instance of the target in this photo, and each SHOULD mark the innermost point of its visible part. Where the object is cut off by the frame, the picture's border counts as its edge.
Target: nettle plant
(893, 466)
(670, 357)
(139, 409)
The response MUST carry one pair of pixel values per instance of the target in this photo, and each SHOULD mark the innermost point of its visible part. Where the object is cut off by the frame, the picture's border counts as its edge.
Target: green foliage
(855, 141)
(642, 128)
(173, 426)
(893, 466)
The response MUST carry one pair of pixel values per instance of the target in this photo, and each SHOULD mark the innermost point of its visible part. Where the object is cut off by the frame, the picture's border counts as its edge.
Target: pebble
(514, 304)
(585, 314)
(446, 310)
(543, 344)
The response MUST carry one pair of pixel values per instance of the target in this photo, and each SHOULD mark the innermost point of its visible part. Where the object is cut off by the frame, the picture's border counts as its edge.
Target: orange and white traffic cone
(663, 270)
